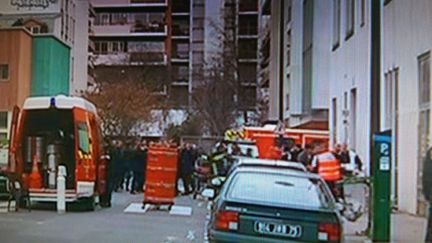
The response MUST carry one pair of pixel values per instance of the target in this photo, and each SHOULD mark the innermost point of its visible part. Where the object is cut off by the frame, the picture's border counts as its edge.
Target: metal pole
(375, 88)
(281, 60)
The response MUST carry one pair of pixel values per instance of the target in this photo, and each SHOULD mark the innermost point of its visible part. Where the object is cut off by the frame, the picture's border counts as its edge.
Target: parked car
(241, 161)
(259, 204)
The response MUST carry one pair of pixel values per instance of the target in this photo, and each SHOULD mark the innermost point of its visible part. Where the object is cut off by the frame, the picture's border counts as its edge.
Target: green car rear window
(277, 190)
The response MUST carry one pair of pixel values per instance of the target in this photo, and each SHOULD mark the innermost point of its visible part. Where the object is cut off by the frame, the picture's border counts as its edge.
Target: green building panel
(51, 66)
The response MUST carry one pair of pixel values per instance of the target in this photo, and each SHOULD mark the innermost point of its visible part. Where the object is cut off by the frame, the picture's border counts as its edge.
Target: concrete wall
(321, 52)
(296, 67)
(274, 66)
(407, 35)
(350, 69)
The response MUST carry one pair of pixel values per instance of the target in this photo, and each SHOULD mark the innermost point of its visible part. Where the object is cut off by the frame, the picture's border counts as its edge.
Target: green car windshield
(278, 190)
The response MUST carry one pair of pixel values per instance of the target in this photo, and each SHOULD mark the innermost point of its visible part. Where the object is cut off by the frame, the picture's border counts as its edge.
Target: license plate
(287, 230)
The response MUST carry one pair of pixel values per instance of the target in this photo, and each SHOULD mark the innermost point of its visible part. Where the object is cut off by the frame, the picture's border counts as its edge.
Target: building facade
(68, 20)
(405, 95)
(15, 73)
(298, 78)
(320, 68)
(159, 34)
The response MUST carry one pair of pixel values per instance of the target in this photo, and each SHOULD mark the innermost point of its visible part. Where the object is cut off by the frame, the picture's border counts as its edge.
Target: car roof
(273, 170)
(242, 160)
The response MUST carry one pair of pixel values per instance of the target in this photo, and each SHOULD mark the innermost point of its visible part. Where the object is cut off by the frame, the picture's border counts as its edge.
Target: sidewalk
(405, 228)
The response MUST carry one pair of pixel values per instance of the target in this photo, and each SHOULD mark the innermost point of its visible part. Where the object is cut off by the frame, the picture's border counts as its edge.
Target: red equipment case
(161, 175)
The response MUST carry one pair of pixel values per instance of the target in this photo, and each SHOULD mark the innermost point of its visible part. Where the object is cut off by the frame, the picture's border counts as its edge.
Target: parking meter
(381, 187)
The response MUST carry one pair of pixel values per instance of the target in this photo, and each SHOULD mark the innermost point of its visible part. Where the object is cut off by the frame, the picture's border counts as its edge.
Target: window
(289, 17)
(279, 190)
(248, 25)
(115, 47)
(288, 57)
(104, 47)
(180, 50)
(353, 118)
(424, 79)
(247, 73)
(362, 12)
(35, 29)
(4, 71)
(336, 23)
(248, 5)
(288, 89)
(180, 73)
(248, 49)
(3, 120)
(424, 119)
(334, 119)
(84, 140)
(349, 18)
(105, 19)
(3, 136)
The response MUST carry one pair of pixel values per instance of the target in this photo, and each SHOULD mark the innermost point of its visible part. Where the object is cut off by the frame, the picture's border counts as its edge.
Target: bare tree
(125, 98)
(215, 102)
(220, 98)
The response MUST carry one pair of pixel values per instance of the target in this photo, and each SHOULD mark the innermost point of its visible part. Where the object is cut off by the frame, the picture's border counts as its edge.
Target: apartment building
(68, 20)
(166, 36)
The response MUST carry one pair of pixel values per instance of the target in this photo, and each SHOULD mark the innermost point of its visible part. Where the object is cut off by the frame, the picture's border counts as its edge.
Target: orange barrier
(161, 175)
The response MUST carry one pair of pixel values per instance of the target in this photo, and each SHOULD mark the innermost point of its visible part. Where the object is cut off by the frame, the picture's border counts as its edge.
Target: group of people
(332, 165)
(128, 165)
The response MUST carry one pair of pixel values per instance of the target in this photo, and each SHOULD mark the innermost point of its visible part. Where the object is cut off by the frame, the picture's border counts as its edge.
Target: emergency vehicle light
(52, 102)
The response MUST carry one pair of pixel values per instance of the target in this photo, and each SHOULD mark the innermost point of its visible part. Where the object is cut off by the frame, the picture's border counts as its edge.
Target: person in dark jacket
(427, 191)
(117, 156)
(129, 161)
(188, 157)
(105, 200)
(138, 168)
(305, 157)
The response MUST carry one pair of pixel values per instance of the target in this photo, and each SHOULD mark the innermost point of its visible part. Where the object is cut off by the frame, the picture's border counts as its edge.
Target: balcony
(131, 30)
(180, 56)
(129, 3)
(132, 58)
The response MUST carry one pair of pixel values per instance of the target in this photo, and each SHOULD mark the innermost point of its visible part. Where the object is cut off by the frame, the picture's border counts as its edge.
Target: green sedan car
(271, 205)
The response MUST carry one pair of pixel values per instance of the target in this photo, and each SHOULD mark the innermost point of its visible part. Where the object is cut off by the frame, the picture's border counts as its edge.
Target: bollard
(61, 190)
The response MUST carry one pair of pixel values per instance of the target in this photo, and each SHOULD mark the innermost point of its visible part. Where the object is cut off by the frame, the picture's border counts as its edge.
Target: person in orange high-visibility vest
(328, 165)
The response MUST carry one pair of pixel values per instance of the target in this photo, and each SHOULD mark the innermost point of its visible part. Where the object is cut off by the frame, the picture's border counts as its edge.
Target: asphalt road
(105, 225)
